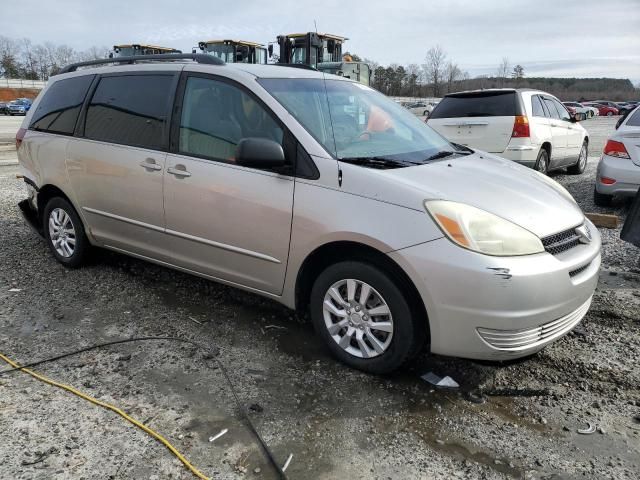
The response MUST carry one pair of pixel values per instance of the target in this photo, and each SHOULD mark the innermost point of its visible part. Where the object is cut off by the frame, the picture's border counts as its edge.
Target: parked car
(619, 167)
(319, 193)
(580, 108)
(20, 106)
(527, 126)
(421, 108)
(622, 109)
(603, 109)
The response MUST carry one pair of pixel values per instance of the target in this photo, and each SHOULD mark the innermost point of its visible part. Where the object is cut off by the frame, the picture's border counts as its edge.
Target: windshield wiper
(441, 154)
(378, 162)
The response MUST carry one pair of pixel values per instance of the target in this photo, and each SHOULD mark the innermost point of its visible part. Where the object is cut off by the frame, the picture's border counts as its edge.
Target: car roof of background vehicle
(467, 93)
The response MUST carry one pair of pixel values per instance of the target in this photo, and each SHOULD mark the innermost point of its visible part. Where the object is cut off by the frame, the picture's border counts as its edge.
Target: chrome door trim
(223, 246)
(124, 219)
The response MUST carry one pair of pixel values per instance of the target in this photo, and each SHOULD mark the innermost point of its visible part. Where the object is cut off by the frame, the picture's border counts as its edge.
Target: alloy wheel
(358, 318)
(62, 232)
(582, 159)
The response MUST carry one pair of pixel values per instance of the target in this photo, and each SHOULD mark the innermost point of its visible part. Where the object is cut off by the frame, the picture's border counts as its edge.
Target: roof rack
(303, 66)
(196, 57)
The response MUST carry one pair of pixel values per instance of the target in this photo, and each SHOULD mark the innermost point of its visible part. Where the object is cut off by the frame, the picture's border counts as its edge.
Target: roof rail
(303, 66)
(196, 57)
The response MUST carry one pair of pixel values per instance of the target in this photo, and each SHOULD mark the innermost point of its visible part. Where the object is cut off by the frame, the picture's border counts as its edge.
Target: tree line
(24, 59)
(436, 76)
(439, 75)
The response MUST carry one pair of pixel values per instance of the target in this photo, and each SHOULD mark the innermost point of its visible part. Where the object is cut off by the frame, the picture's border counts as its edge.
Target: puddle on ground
(613, 279)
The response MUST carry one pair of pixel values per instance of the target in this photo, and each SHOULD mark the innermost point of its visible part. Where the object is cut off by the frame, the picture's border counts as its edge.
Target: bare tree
(29, 65)
(9, 58)
(434, 68)
(452, 75)
(518, 72)
(503, 70)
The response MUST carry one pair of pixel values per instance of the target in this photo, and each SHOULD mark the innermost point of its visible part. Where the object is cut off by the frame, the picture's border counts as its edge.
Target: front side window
(58, 110)
(130, 110)
(353, 121)
(562, 111)
(217, 115)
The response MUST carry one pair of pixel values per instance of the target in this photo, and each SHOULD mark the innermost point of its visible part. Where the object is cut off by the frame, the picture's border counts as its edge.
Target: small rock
(256, 470)
(440, 442)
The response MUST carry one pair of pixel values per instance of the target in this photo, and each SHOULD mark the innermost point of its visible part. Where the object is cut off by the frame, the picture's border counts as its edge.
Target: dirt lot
(337, 423)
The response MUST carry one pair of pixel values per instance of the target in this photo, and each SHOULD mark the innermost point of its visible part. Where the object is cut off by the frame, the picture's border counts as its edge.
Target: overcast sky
(565, 38)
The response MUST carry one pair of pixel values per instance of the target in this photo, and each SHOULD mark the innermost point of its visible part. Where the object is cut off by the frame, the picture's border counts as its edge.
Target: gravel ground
(337, 423)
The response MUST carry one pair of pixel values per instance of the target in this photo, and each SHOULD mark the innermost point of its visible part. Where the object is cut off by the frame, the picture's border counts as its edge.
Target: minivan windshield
(356, 124)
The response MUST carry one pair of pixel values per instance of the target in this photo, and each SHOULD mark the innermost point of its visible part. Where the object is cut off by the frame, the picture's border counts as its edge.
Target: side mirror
(259, 153)
(579, 117)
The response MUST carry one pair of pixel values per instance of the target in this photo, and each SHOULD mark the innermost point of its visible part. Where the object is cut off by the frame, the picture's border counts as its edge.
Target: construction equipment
(322, 51)
(139, 49)
(358, 71)
(235, 51)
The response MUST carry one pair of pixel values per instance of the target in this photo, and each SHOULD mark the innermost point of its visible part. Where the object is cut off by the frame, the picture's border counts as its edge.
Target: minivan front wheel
(64, 233)
(581, 164)
(363, 317)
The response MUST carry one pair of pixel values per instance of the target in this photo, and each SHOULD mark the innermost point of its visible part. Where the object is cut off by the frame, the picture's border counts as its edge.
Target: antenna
(315, 25)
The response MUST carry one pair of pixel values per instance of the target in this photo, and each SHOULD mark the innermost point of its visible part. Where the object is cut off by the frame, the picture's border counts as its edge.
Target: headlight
(482, 231)
(555, 185)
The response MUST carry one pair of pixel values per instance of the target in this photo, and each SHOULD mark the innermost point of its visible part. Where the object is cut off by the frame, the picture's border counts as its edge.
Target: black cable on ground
(213, 352)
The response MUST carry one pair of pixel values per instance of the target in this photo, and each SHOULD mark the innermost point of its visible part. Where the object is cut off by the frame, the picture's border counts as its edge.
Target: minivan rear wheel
(64, 233)
(542, 163)
(364, 318)
(581, 164)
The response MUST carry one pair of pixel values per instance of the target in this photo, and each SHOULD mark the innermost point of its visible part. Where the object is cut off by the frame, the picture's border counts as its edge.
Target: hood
(499, 186)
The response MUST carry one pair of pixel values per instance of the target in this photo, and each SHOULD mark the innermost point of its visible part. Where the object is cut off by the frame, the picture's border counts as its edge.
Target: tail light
(20, 136)
(607, 181)
(616, 149)
(520, 127)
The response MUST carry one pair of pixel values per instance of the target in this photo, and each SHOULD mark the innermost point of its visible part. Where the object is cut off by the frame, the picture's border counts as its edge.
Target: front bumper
(473, 299)
(623, 171)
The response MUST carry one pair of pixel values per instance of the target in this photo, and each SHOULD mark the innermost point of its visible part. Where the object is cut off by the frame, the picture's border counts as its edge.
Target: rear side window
(536, 106)
(634, 119)
(131, 110)
(486, 104)
(58, 110)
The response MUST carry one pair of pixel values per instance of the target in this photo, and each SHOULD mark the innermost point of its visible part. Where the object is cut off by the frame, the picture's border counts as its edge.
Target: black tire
(601, 199)
(409, 329)
(581, 164)
(542, 162)
(81, 248)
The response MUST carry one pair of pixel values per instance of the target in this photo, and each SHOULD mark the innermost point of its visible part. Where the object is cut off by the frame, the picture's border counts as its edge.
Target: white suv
(527, 126)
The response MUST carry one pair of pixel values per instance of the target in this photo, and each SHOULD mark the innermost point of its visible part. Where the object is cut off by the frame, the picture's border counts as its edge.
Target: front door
(224, 220)
(116, 169)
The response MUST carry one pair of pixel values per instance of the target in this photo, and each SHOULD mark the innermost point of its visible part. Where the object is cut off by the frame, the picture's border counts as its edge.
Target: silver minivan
(315, 191)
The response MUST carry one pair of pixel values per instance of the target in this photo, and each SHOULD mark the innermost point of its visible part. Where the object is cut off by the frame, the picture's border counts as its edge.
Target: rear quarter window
(58, 110)
(503, 104)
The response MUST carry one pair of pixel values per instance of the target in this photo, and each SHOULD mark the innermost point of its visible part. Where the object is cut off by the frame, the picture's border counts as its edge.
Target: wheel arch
(337, 251)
